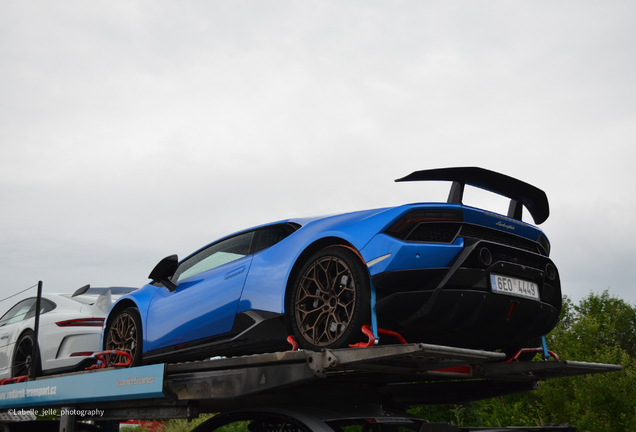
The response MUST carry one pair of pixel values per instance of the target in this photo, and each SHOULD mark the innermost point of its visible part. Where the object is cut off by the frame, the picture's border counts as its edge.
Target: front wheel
(330, 300)
(124, 334)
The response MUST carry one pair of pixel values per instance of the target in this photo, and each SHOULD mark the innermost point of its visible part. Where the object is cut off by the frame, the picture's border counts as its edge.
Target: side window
(215, 255)
(17, 312)
(264, 238)
(45, 306)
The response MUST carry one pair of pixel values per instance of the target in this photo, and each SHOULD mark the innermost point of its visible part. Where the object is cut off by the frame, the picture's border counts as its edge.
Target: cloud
(132, 130)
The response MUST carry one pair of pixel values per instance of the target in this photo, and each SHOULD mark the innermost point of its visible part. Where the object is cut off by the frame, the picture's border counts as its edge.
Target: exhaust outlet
(485, 256)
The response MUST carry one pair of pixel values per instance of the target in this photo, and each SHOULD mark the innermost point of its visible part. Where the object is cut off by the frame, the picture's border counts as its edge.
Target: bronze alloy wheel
(124, 334)
(327, 300)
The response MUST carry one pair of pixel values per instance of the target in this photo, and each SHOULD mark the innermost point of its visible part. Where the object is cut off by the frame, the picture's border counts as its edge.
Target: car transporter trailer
(395, 376)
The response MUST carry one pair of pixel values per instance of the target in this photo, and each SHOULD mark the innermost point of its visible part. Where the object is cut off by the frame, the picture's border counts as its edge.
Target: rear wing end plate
(520, 193)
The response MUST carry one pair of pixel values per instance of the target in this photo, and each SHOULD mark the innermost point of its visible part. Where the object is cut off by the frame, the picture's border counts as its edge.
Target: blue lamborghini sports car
(442, 273)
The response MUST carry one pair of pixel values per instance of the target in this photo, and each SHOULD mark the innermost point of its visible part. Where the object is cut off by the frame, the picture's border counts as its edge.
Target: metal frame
(381, 373)
(391, 375)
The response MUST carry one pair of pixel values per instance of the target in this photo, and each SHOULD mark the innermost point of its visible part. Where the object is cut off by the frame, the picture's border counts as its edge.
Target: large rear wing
(520, 193)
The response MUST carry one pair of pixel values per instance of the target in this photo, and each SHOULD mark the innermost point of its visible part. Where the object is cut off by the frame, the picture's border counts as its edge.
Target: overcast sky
(131, 130)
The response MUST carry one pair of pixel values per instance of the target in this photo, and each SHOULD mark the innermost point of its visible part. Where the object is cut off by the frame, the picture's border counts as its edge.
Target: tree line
(600, 329)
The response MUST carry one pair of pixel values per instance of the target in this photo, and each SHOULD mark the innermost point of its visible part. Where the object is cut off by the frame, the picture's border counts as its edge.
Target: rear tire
(330, 300)
(124, 334)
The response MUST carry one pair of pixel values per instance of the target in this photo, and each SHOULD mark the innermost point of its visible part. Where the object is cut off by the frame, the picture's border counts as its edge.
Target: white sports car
(69, 333)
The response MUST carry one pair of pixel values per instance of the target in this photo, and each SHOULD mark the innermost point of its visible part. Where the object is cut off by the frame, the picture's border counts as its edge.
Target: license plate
(513, 286)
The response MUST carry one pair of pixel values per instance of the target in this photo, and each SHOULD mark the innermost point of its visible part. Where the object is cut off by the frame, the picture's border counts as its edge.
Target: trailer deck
(391, 375)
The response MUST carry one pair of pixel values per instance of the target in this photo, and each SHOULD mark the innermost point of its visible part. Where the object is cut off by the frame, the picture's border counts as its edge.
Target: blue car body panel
(202, 305)
(407, 256)
(265, 288)
(206, 305)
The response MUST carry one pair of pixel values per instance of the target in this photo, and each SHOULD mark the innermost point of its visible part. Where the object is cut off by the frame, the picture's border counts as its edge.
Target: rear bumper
(456, 305)
(61, 343)
(84, 363)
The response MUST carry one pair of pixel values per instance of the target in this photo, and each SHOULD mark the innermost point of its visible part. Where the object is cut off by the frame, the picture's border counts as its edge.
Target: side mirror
(164, 270)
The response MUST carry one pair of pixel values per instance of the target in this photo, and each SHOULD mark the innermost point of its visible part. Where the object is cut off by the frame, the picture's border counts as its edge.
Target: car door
(208, 288)
(10, 325)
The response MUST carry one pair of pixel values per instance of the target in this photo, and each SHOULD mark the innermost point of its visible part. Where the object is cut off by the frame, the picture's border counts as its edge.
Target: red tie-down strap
(14, 380)
(292, 341)
(366, 329)
(515, 357)
(101, 363)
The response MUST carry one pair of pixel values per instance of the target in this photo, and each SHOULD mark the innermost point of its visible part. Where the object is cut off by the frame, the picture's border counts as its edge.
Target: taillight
(83, 322)
(406, 223)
